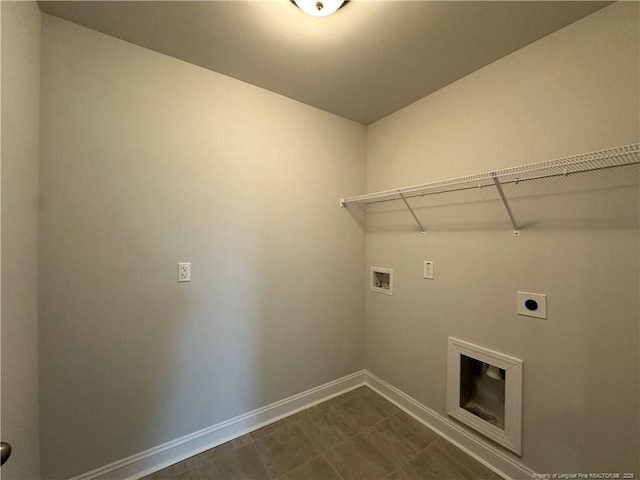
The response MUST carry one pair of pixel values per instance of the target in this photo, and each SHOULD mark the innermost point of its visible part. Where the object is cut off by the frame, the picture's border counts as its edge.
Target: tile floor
(358, 435)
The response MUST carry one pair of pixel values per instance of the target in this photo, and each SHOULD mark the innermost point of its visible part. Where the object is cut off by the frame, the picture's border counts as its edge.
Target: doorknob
(5, 452)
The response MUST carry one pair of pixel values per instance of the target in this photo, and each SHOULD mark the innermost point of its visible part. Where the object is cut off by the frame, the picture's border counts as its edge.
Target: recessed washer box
(381, 280)
(532, 304)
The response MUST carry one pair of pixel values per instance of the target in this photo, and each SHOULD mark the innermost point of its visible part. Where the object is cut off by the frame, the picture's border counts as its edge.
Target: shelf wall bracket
(412, 212)
(516, 229)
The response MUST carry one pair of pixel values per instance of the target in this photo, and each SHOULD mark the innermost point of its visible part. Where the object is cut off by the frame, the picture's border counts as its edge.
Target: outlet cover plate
(427, 269)
(184, 272)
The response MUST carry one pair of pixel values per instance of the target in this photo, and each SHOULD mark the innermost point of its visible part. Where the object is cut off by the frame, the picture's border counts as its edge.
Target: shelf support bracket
(412, 212)
(516, 229)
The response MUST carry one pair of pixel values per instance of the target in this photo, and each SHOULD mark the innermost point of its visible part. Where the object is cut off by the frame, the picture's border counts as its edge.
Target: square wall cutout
(484, 392)
(381, 280)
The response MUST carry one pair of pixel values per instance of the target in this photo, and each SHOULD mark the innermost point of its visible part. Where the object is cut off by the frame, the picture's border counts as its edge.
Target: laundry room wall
(571, 92)
(147, 161)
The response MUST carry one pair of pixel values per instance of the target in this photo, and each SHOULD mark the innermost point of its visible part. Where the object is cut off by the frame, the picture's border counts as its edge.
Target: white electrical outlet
(184, 272)
(428, 269)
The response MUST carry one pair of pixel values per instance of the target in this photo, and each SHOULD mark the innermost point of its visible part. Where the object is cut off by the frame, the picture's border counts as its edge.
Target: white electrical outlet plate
(184, 272)
(428, 269)
(532, 304)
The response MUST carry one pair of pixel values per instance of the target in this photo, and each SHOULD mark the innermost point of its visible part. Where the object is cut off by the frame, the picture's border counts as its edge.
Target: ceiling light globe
(319, 8)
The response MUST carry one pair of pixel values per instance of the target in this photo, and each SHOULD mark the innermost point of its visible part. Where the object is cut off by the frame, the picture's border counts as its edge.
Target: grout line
(406, 462)
(299, 466)
(323, 452)
(336, 402)
(313, 444)
(197, 467)
(333, 466)
(411, 459)
(431, 444)
(383, 420)
(363, 431)
(261, 459)
(464, 468)
(392, 472)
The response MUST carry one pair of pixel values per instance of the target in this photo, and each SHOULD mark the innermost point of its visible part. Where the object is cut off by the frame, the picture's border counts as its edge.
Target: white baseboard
(157, 458)
(499, 462)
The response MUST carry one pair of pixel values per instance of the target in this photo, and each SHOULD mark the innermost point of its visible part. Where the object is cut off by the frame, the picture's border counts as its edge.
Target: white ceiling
(366, 61)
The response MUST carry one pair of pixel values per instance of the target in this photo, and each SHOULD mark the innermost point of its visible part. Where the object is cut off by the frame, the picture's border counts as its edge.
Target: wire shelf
(560, 167)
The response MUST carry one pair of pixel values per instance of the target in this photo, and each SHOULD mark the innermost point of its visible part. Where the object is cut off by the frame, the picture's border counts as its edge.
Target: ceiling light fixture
(319, 8)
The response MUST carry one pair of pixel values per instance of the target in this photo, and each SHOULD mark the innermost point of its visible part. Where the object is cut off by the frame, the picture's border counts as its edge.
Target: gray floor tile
(224, 448)
(193, 474)
(356, 436)
(363, 411)
(317, 469)
(385, 405)
(332, 402)
(297, 417)
(476, 469)
(311, 412)
(285, 449)
(433, 464)
(242, 463)
(401, 437)
(415, 426)
(170, 472)
(401, 474)
(269, 429)
(327, 428)
(360, 393)
(359, 458)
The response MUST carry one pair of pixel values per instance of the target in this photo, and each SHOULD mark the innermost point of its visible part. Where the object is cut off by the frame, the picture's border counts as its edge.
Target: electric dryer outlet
(532, 304)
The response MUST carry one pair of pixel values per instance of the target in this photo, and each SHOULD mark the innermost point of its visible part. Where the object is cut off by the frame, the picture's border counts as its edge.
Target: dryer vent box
(381, 280)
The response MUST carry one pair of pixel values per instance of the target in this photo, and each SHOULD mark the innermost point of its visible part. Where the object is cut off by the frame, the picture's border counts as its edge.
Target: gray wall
(571, 92)
(147, 161)
(19, 170)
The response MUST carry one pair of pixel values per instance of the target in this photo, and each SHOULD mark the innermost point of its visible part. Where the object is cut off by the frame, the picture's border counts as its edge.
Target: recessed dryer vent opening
(484, 391)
